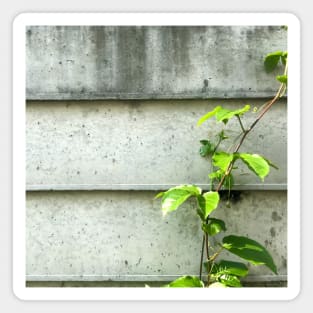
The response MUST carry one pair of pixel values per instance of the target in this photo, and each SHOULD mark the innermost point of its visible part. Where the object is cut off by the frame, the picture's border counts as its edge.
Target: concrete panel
(140, 145)
(121, 235)
(88, 284)
(74, 62)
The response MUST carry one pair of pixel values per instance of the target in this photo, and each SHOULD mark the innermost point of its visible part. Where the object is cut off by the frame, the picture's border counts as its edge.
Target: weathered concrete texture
(140, 284)
(81, 62)
(102, 235)
(140, 145)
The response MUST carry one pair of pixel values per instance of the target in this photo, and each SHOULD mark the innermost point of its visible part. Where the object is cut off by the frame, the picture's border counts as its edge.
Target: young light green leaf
(186, 282)
(216, 175)
(271, 60)
(194, 190)
(208, 115)
(229, 267)
(223, 115)
(256, 164)
(175, 196)
(210, 203)
(159, 195)
(249, 250)
(282, 78)
(222, 160)
(270, 163)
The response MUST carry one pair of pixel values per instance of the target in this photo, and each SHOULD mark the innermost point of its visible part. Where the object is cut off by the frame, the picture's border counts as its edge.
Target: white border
(286, 293)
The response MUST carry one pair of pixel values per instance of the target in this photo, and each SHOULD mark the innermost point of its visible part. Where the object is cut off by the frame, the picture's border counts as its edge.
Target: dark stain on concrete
(276, 217)
(234, 195)
(205, 85)
(284, 262)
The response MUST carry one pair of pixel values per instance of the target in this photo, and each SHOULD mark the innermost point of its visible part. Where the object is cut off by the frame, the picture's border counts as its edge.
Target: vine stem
(267, 106)
(201, 259)
(245, 133)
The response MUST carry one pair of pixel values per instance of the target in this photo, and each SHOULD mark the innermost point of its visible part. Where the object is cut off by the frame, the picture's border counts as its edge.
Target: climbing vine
(220, 272)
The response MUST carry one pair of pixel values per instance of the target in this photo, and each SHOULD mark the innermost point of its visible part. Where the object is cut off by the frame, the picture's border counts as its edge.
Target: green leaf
(159, 195)
(216, 175)
(214, 226)
(175, 196)
(256, 164)
(186, 282)
(223, 115)
(208, 115)
(208, 202)
(201, 209)
(229, 280)
(206, 149)
(222, 160)
(204, 141)
(270, 163)
(284, 57)
(282, 78)
(229, 267)
(271, 60)
(249, 250)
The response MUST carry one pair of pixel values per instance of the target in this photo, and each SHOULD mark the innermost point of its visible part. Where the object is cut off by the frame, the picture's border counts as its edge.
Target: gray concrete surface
(122, 236)
(140, 284)
(141, 145)
(125, 142)
(74, 62)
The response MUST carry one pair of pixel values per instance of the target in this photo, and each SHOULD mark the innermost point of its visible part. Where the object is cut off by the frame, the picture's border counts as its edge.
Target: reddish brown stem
(267, 106)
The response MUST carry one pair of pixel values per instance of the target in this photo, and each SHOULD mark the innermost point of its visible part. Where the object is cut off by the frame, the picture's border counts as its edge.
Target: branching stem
(245, 133)
(267, 106)
(240, 122)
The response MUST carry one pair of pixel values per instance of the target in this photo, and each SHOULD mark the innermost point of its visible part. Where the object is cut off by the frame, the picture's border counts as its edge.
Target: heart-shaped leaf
(175, 196)
(249, 250)
(271, 60)
(256, 164)
(229, 267)
(222, 160)
(208, 202)
(223, 115)
(208, 115)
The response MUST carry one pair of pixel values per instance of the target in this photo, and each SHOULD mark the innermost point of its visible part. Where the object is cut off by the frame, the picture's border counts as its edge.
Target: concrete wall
(141, 145)
(150, 62)
(93, 167)
(121, 235)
